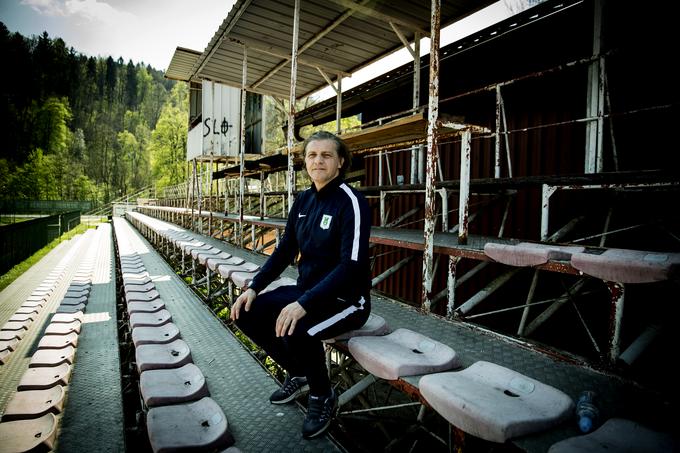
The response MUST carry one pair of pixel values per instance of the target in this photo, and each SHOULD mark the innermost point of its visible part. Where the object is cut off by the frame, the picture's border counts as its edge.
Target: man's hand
(288, 318)
(246, 298)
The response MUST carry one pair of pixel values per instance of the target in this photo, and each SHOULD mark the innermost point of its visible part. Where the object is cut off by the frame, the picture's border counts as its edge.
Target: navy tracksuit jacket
(330, 229)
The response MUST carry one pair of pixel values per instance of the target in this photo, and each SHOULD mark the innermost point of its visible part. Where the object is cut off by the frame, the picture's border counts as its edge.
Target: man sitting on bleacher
(329, 226)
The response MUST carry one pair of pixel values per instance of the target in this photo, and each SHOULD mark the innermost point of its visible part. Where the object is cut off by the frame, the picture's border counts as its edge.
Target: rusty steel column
(464, 193)
(432, 156)
(416, 150)
(242, 150)
(291, 101)
(263, 201)
(617, 293)
(338, 107)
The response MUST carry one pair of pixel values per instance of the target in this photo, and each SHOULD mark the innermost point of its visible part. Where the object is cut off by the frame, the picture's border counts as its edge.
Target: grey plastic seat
(155, 335)
(145, 307)
(172, 386)
(529, 253)
(495, 403)
(402, 353)
(375, 325)
(620, 436)
(197, 426)
(162, 356)
(150, 319)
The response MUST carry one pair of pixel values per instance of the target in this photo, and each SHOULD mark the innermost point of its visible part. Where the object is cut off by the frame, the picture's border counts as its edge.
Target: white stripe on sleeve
(357, 221)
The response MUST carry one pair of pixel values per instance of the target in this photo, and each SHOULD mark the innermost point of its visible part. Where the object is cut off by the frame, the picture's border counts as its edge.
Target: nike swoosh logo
(301, 216)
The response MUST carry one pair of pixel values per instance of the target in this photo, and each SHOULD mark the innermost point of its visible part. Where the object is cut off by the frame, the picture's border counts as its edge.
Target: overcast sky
(141, 30)
(149, 31)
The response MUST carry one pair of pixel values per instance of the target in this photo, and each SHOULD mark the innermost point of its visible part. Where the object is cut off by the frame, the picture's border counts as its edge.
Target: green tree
(168, 140)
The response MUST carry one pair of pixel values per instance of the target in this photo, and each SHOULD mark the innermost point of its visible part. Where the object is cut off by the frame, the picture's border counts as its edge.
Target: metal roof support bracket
(308, 44)
(338, 94)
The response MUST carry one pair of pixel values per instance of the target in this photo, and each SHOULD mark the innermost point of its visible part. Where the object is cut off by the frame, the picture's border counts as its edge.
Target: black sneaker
(291, 389)
(320, 412)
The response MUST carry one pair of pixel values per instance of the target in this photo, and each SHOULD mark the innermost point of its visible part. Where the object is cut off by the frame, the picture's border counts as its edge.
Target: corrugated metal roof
(182, 63)
(335, 36)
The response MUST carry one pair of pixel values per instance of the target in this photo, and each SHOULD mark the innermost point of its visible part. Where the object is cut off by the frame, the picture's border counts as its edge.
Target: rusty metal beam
(432, 157)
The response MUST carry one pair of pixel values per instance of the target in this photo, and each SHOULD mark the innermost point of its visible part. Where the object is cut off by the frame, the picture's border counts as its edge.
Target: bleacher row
(233, 271)
(31, 418)
(614, 265)
(180, 415)
(484, 399)
(21, 321)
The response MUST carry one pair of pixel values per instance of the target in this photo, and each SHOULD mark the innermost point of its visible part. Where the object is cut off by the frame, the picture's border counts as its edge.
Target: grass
(19, 269)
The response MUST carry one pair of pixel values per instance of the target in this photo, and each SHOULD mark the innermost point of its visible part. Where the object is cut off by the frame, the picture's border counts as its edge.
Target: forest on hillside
(85, 128)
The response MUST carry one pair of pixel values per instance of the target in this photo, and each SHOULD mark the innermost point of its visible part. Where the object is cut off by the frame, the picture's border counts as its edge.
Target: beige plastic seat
(162, 356)
(495, 403)
(34, 403)
(63, 328)
(9, 345)
(529, 253)
(150, 319)
(155, 335)
(4, 355)
(197, 426)
(203, 257)
(52, 357)
(375, 325)
(22, 317)
(242, 279)
(188, 249)
(402, 353)
(225, 270)
(620, 436)
(209, 251)
(145, 307)
(67, 317)
(178, 385)
(36, 298)
(45, 377)
(27, 435)
(628, 266)
(58, 341)
(15, 325)
(33, 304)
(6, 335)
(214, 263)
(27, 310)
